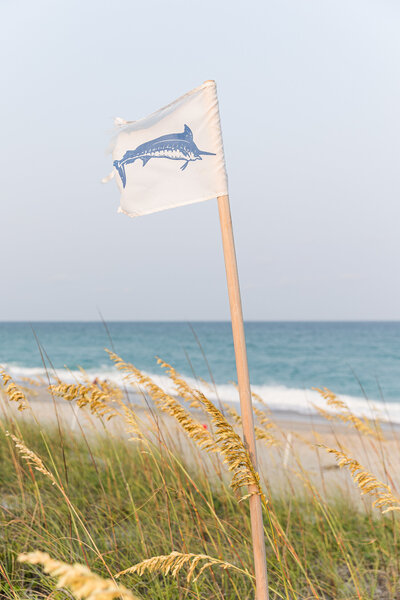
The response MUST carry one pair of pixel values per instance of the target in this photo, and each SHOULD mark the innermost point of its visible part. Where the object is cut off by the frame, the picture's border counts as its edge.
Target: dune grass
(129, 498)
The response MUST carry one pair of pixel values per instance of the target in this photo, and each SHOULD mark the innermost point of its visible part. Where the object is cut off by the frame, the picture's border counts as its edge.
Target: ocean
(359, 361)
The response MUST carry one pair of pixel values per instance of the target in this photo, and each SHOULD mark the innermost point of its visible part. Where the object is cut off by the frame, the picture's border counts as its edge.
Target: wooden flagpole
(257, 527)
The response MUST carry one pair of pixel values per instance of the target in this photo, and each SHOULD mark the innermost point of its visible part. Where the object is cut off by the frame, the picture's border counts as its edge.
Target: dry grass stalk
(363, 425)
(227, 440)
(173, 563)
(233, 414)
(97, 397)
(183, 388)
(31, 458)
(167, 404)
(266, 437)
(263, 419)
(111, 390)
(259, 399)
(131, 421)
(13, 392)
(233, 450)
(261, 433)
(331, 398)
(386, 501)
(78, 578)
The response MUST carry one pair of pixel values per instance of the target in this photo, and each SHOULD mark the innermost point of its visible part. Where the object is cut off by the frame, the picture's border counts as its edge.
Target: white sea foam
(277, 397)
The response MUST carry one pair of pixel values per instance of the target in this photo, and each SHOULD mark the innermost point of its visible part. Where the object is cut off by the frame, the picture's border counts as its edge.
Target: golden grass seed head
(173, 563)
(83, 583)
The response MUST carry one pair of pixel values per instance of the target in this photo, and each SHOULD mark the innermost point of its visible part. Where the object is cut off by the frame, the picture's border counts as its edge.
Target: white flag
(172, 157)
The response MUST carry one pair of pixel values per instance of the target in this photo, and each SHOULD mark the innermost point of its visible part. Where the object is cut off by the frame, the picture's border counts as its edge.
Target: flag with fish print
(172, 157)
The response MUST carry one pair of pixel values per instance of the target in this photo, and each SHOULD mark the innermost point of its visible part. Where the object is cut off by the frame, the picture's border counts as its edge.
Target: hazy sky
(310, 106)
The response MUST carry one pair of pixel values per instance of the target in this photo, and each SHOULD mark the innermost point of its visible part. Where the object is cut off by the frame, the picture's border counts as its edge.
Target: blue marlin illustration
(175, 146)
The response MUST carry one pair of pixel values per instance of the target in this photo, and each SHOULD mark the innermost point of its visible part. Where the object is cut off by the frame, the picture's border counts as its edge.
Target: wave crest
(276, 397)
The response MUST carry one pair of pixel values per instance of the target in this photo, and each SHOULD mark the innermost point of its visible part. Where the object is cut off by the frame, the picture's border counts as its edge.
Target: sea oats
(261, 433)
(227, 441)
(14, 392)
(78, 579)
(233, 450)
(386, 501)
(167, 404)
(173, 563)
(363, 425)
(31, 458)
(94, 396)
(259, 399)
(233, 414)
(183, 388)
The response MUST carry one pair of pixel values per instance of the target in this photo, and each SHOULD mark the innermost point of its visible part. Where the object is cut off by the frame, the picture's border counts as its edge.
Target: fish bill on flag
(171, 158)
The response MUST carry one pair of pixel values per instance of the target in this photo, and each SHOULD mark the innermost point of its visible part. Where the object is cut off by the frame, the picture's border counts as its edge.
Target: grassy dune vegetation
(123, 492)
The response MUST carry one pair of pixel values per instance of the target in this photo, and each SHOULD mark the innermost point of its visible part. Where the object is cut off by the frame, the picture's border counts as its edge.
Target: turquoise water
(286, 359)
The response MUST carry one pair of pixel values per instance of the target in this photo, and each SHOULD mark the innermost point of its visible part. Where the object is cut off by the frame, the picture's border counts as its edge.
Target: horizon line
(185, 321)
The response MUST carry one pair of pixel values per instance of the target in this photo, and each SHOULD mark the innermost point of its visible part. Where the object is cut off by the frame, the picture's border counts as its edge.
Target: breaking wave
(276, 397)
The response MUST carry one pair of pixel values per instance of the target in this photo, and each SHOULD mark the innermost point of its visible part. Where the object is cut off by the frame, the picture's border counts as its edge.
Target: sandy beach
(298, 448)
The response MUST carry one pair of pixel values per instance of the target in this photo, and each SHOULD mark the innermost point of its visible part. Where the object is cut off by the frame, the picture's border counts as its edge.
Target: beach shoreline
(303, 419)
(300, 439)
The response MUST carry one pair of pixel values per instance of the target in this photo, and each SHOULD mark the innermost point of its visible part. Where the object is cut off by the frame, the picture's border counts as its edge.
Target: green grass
(126, 501)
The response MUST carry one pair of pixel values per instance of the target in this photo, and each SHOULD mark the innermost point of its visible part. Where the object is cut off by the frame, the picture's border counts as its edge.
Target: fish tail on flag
(171, 158)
